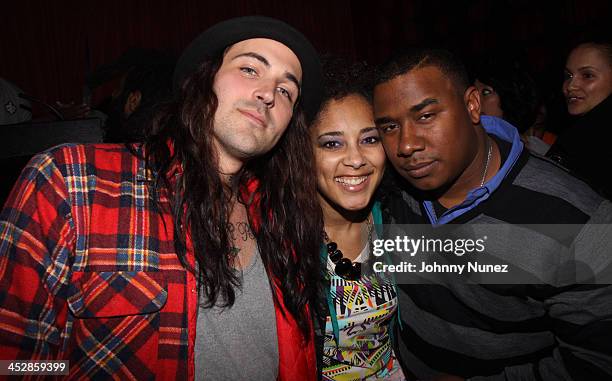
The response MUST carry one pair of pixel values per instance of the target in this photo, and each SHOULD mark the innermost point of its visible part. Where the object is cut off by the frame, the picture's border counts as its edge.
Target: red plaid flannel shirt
(88, 273)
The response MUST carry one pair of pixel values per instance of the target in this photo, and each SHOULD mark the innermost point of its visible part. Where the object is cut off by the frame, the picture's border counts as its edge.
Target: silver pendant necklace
(486, 168)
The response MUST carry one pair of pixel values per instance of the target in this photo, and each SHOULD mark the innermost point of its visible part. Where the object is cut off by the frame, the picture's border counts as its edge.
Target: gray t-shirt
(239, 343)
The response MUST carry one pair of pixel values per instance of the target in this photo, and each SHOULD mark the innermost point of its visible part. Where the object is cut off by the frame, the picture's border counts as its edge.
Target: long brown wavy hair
(290, 222)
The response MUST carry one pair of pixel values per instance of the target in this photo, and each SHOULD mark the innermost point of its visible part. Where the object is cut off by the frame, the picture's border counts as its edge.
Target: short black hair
(342, 78)
(416, 58)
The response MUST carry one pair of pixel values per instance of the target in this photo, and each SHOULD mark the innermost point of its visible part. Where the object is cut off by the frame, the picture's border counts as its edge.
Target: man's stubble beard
(228, 132)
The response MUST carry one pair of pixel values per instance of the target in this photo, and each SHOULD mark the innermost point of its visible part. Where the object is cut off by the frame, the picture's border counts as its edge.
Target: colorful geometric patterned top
(364, 311)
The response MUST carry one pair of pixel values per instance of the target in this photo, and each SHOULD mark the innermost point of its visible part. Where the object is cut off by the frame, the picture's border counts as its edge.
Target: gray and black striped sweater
(514, 332)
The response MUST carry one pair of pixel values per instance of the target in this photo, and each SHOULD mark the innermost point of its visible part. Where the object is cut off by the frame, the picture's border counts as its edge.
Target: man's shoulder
(545, 177)
(88, 157)
(85, 167)
(85, 151)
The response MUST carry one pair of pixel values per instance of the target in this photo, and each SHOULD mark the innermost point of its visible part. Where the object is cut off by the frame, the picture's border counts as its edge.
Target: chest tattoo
(240, 230)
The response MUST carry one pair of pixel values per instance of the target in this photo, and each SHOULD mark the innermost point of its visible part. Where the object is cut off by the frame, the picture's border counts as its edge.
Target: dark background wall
(48, 47)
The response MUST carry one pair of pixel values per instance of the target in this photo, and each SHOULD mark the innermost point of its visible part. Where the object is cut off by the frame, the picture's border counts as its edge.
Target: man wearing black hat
(181, 257)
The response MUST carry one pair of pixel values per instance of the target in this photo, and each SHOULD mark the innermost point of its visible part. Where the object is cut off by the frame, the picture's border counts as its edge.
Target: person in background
(539, 138)
(350, 161)
(145, 82)
(13, 108)
(584, 148)
(509, 92)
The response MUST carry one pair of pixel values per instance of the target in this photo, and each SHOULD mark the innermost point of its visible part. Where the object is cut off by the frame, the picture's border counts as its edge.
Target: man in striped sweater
(455, 166)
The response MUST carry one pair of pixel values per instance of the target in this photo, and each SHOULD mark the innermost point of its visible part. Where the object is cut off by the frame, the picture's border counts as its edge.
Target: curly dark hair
(289, 225)
(342, 78)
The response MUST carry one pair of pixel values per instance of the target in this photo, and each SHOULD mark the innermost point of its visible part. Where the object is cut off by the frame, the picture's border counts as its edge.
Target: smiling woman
(350, 158)
(588, 77)
(350, 162)
(588, 93)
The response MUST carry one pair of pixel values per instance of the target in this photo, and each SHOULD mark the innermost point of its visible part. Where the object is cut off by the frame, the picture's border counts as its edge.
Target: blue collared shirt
(504, 131)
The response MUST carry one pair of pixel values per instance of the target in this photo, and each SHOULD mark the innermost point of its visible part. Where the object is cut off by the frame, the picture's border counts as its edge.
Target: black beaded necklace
(344, 267)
